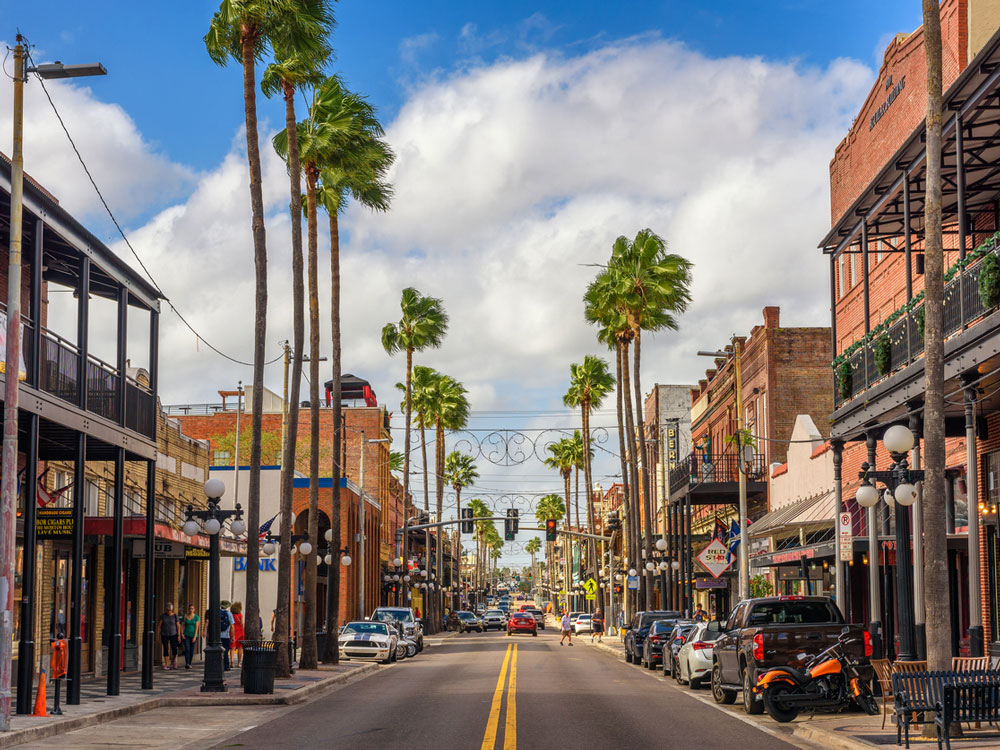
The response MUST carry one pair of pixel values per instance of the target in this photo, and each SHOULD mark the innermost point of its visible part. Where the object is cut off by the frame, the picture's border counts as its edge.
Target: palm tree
(450, 412)
(355, 168)
(574, 449)
(935, 537)
(562, 461)
(652, 287)
(422, 326)
(532, 547)
(243, 31)
(479, 510)
(550, 507)
(590, 383)
(460, 472)
(395, 461)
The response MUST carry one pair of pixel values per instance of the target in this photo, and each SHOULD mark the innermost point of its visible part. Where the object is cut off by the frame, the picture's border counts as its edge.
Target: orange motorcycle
(829, 681)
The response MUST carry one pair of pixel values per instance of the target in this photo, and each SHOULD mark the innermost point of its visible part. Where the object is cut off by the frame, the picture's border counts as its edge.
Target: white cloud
(512, 180)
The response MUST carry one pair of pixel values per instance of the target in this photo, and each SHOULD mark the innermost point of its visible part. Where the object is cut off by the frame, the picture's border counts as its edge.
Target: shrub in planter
(844, 380)
(989, 281)
(883, 354)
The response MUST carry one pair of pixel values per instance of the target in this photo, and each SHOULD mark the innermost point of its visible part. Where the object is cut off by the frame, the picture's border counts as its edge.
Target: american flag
(265, 529)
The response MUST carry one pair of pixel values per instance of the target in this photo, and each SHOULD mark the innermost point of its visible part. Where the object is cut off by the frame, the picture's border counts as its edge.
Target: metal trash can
(259, 658)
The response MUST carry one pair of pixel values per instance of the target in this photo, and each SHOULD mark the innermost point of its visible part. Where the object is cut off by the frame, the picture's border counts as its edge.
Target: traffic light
(467, 526)
(612, 522)
(510, 525)
(550, 530)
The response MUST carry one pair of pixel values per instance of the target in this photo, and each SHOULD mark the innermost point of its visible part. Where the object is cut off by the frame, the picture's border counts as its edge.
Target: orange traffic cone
(40, 700)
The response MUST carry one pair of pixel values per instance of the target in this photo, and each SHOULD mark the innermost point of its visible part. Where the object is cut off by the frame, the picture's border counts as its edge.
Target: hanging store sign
(714, 558)
(633, 582)
(711, 583)
(196, 553)
(54, 523)
(845, 538)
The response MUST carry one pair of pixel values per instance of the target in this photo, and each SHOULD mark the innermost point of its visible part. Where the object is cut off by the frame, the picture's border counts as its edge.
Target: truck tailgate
(793, 645)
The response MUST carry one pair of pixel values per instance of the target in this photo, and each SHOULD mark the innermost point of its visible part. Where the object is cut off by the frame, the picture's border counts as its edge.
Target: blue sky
(528, 137)
(181, 101)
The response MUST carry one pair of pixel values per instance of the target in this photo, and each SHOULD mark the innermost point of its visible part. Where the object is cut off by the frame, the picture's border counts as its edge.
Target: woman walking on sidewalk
(191, 621)
(169, 631)
(236, 636)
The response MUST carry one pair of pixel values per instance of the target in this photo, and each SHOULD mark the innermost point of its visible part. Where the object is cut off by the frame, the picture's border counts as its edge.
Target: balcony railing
(859, 370)
(700, 467)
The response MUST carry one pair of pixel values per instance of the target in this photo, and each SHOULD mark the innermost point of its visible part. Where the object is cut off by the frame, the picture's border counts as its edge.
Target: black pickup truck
(771, 632)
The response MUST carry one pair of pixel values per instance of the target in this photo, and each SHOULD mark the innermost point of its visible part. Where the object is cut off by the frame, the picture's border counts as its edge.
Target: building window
(90, 498)
(221, 458)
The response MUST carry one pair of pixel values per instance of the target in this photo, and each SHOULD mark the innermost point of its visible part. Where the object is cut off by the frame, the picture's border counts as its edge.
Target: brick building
(784, 372)
(877, 179)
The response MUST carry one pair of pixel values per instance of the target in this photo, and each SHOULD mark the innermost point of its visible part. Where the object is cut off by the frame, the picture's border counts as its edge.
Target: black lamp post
(899, 481)
(212, 519)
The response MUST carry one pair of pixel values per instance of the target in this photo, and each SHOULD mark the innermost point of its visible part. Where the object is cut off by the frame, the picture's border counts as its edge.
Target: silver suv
(405, 617)
(494, 618)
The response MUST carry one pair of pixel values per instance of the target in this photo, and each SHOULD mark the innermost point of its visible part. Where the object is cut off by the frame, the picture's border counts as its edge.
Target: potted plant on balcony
(883, 354)
(844, 379)
(989, 281)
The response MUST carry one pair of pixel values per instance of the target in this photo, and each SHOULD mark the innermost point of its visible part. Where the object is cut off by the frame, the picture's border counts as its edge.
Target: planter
(883, 354)
(844, 380)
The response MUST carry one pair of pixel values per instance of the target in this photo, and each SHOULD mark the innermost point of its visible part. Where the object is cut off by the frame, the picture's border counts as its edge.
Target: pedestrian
(237, 632)
(225, 626)
(191, 621)
(597, 627)
(169, 631)
(566, 633)
(699, 614)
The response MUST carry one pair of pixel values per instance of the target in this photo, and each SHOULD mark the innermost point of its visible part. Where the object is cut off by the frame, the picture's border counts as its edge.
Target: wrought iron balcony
(704, 468)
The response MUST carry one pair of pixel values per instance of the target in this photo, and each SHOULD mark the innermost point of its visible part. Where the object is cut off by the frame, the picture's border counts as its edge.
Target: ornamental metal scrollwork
(513, 447)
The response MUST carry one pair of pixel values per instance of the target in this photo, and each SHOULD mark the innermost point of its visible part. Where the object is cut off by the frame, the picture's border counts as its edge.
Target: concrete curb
(296, 696)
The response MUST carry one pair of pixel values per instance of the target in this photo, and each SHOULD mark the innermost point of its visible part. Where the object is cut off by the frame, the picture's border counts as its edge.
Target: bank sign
(264, 565)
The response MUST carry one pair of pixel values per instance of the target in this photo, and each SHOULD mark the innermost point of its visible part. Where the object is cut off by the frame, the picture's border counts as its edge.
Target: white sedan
(584, 624)
(368, 640)
(694, 660)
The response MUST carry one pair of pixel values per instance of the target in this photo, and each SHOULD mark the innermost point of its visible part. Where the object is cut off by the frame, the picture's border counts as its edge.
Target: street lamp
(212, 519)
(900, 494)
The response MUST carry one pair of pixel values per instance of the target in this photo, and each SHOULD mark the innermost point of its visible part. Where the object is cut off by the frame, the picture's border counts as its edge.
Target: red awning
(136, 527)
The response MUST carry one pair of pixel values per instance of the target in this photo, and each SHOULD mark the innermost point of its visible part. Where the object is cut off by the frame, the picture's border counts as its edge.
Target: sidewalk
(171, 688)
(846, 731)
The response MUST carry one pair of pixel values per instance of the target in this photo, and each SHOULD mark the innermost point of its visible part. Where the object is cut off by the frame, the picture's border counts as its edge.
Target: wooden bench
(975, 702)
(923, 692)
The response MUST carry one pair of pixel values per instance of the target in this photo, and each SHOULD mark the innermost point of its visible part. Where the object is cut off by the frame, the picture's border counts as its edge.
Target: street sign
(845, 537)
(633, 582)
(590, 586)
(590, 597)
(713, 558)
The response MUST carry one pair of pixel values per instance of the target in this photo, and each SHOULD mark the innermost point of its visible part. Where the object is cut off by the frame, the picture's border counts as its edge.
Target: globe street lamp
(899, 481)
(212, 519)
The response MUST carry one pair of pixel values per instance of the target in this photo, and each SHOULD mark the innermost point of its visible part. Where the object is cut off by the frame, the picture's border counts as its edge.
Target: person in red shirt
(237, 633)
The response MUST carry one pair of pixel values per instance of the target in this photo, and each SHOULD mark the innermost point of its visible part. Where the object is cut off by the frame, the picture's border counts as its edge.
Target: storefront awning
(136, 527)
(811, 511)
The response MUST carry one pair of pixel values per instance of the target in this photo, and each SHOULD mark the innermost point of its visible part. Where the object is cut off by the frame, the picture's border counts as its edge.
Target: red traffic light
(550, 530)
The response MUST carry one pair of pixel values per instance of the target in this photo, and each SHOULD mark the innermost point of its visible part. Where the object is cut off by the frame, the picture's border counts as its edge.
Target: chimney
(771, 315)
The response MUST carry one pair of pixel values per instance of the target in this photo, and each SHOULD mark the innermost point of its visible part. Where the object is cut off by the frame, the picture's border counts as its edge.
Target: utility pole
(744, 549)
(8, 490)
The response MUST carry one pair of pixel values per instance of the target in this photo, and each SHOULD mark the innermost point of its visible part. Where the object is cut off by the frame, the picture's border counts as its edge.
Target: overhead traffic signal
(510, 525)
(550, 530)
(612, 522)
(467, 525)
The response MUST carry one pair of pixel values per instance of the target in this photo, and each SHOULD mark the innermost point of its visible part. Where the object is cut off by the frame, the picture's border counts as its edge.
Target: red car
(522, 622)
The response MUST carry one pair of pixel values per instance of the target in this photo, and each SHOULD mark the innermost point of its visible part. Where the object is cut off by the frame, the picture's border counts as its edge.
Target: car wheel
(720, 694)
(628, 655)
(535, 634)
(676, 671)
(652, 664)
(750, 703)
(411, 650)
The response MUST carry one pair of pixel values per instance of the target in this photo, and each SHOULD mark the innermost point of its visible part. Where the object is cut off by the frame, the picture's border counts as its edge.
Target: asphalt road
(490, 691)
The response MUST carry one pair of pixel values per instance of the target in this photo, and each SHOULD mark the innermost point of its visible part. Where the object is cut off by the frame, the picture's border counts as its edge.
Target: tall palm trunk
(248, 38)
(622, 452)
(439, 489)
(634, 513)
(406, 434)
(935, 538)
(282, 619)
(576, 496)
(592, 547)
(308, 658)
(647, 497)
(331, 653)
(456, 589)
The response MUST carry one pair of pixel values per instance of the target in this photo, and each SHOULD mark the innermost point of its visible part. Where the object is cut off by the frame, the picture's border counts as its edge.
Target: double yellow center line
(510, 727)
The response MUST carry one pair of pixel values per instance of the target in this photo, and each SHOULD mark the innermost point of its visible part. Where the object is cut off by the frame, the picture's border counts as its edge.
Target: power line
(114, 220)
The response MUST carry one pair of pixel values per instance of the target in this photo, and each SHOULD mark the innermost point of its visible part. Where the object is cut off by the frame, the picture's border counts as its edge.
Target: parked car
(676, 639)
(368, 640)
(405, 616)
(656, 644)
(537, 614)
(584, 623)
(693, 664)
(573, 616)
(776, 631)
(463, 621)
(521, 622)
(638, 627)
(494, 618)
